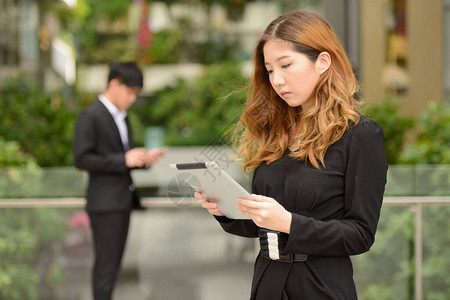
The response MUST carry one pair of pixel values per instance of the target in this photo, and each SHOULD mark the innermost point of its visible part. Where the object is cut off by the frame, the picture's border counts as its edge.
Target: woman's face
(292, 75)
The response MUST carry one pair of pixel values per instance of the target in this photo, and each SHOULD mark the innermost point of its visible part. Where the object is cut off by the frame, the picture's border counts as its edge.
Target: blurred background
(54, 58)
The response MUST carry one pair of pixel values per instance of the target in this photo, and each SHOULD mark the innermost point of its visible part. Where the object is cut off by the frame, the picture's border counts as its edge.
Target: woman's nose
(278, 79)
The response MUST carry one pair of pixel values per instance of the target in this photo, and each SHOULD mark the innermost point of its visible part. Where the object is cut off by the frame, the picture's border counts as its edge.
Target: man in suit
(103, 145)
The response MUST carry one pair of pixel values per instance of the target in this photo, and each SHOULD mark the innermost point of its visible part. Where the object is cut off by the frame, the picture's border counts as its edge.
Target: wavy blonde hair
(267, 125)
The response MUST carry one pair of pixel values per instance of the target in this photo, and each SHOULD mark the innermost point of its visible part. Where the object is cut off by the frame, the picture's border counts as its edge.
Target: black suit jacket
(98, 149)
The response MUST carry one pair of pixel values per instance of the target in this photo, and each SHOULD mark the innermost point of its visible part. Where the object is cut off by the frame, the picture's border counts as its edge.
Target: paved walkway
(173, 253)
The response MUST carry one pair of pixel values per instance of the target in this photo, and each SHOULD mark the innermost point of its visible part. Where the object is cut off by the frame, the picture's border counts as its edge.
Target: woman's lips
(284, 93)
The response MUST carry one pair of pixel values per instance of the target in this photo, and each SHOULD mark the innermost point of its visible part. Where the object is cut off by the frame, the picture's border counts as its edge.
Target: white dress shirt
(119, 117)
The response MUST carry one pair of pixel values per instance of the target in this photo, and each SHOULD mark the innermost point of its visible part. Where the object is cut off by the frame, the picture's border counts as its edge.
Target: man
(103, 145)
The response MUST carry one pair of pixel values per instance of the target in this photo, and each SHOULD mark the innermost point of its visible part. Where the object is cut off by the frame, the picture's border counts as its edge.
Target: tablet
(215, 184)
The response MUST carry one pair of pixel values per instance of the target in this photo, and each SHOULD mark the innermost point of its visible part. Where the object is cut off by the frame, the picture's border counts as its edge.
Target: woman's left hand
(266, 212)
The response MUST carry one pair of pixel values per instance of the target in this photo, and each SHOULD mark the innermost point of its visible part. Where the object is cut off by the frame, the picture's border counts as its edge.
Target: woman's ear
(323, 62)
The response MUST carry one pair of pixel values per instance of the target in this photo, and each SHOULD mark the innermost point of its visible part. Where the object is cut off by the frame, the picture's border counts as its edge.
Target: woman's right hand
(212, 208)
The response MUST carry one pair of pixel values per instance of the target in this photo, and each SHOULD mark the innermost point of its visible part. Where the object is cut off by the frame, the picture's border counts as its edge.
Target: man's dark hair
(126, 72)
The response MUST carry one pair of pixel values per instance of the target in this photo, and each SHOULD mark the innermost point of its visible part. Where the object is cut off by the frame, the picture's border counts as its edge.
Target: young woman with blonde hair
(319, 165)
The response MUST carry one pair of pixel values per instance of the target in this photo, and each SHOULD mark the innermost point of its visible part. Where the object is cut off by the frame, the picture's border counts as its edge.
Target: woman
(319, 166)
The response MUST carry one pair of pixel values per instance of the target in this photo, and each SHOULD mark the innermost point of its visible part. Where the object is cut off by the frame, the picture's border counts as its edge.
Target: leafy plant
(433, 142)
(40, 121)
(387, 114)
(23, 233)
(108, 48)
(199, 112)
(389, 258)
(89, 23)
(166, 46)
(20, 176)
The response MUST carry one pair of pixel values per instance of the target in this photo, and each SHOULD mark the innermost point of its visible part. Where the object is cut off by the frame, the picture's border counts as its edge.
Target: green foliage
(433, 142)
(18, 282)
(166, 46)
(12, 156)
(22, 234)
(109, 8)
(107, 48)
(20, 176)
(217, 48)
(138, 129)
(90, 20)
(94, 46)
(385, 271)
(40, 121)
(234, 8)
(199, 112)
(394, 126)
(177, 45)
(436, 252)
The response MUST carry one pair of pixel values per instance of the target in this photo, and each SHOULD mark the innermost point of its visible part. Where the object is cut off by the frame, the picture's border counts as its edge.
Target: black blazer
(98, 149)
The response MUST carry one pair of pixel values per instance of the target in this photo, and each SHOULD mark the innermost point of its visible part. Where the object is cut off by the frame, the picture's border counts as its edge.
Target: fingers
(212, 208)
(135, 157)
(250, 203)
(258, 206)
(140, 157)
(153, 155)
(261, 198)
(199, 196)
(209, 205)
(251, 210)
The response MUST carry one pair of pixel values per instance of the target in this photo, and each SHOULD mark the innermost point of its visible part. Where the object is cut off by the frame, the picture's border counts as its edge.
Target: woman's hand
(210, 206)
(266, 212)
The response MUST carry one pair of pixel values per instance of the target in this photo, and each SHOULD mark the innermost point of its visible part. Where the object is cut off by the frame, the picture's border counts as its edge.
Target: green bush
(40, 121)
(25, 237)
(109, 48)
(394, 126)
(171, 46)
(199, 112)
(20, 176)
(433, 142)
(89, 22)
(166, 47)
(387, 271)
(24, 233)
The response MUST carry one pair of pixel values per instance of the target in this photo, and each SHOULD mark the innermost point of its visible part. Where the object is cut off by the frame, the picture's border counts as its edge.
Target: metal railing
(416, 203)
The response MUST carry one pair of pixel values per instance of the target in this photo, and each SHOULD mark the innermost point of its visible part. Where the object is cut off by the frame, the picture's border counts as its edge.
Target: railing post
(418, 289)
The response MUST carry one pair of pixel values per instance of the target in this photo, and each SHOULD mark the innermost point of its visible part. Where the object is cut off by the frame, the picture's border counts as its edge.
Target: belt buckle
(291, 257)
(287, 257)
(304, 258)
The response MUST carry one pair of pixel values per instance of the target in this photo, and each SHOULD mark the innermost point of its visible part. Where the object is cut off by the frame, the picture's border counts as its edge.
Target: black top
(335, 211)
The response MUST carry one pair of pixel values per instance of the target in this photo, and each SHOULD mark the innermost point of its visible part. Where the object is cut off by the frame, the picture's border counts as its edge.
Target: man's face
(124, 96)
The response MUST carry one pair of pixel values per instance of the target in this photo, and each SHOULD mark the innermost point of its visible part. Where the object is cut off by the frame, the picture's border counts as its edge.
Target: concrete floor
(172, 253)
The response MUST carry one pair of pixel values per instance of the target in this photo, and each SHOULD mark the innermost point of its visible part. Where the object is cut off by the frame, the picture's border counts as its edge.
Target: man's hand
(141, 157)
(136, 158)
(153, 155)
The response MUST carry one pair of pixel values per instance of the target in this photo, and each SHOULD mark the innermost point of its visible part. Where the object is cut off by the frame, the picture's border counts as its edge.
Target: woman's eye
(269, 71)
(285, 66)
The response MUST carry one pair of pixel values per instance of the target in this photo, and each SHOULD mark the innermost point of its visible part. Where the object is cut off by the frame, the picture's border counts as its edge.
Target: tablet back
(215, 184)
